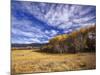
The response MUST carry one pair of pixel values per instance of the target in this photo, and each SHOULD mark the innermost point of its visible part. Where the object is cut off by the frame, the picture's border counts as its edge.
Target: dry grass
(28, 61)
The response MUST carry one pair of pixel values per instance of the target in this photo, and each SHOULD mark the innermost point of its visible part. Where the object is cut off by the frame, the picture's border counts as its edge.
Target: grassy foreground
(29, 61)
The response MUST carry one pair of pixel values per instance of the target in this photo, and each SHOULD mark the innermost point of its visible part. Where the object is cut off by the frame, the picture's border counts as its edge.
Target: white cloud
(51, 32)
(83, 19)
(20, 32)
(58, 16)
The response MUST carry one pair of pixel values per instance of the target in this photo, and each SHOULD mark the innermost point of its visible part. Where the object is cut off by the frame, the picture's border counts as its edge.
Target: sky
(37, 22)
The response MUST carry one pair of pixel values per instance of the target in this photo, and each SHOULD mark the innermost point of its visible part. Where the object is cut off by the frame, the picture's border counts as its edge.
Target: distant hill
(26, 46)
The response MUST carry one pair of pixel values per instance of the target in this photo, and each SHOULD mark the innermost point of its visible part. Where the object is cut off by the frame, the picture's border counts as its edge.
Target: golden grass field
(31, 61)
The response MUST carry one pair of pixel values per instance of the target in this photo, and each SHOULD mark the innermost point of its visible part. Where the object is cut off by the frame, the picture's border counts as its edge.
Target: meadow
(33, 61)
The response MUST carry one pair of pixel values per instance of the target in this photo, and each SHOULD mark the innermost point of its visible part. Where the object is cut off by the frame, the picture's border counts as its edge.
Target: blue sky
(34, 22)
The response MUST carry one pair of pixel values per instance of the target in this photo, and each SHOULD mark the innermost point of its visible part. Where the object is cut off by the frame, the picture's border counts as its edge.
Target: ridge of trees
(82, 40)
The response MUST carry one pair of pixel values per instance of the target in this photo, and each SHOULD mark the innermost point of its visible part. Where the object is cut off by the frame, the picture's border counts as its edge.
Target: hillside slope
(77, 41)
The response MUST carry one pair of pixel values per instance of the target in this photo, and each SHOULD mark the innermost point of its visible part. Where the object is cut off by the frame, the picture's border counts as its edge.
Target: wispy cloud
(34, 22)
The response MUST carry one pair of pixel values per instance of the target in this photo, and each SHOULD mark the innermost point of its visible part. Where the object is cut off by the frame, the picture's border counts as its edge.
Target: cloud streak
(37, 22)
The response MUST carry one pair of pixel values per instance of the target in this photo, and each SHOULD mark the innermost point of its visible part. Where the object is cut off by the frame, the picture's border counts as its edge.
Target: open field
(31, 61)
